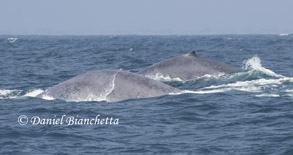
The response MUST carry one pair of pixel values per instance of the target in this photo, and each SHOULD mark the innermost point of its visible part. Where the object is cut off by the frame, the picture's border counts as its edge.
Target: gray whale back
(108, 85)
(187, 67)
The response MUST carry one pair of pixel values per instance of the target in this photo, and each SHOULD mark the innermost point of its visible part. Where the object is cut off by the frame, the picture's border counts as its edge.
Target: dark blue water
(248, 112)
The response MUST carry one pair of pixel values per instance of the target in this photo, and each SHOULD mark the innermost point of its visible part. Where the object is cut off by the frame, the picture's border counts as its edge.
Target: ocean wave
(268, 95)
(254, 64)
(11, 40)
(263, 88)
(283, 34)
(16, 93)
(8, 94)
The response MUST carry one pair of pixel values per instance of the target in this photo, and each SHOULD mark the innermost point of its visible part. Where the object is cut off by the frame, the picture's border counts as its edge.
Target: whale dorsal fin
(193, 53)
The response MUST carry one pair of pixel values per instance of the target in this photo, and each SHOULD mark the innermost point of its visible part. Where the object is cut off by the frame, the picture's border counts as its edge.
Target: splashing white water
(12, 40)
(6, 93)
(254, 63)
(15, 93)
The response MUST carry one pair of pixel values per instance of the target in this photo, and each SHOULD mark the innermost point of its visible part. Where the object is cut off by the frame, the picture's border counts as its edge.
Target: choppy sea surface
(247, 112)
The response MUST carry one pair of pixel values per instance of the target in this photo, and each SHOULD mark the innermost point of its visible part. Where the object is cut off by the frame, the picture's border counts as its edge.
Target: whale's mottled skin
(108, 85)
(187, 67)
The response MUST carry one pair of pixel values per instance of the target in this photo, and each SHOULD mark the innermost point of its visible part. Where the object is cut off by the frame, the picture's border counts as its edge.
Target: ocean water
(247, 112)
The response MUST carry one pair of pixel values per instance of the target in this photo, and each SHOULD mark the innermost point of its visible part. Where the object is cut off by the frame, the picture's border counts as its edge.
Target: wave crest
(254, 64)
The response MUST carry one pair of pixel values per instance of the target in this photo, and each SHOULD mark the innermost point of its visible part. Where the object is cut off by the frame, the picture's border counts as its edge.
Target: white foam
(6, 93)
(12, 40)
(202, 91)
(259, 82)
(255, 86)
(46, 97)
(283, 34)
(288, 91)
(254, 63)
(34, 93)
(267, 95)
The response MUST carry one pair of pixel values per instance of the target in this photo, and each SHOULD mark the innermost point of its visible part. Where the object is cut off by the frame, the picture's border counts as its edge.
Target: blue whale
(187, 67)
(107, 85)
